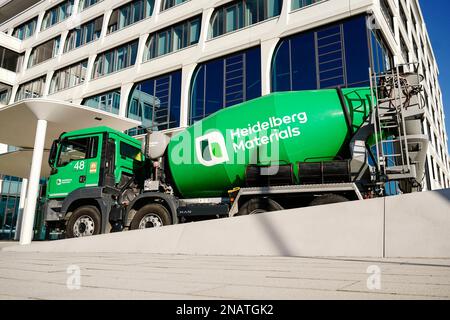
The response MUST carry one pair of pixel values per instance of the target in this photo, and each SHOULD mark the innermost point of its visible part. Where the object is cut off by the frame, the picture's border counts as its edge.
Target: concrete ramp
(415, 225)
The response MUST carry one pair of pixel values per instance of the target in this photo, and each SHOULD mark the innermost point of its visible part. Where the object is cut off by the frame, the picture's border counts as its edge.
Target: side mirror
(53, 150)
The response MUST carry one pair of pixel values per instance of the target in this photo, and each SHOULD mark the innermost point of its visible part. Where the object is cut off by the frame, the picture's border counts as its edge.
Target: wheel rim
(84, 226)
(258, 211)
(150, 221)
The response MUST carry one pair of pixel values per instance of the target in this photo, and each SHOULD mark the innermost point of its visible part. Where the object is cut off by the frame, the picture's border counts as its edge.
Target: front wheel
(84, 222)
(151, 216)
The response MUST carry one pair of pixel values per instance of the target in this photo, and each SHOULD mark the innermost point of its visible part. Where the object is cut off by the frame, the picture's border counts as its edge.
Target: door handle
(82, 179)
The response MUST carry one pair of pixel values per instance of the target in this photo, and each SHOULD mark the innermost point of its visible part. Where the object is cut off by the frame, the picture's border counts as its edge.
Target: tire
(151, 216)
(85, 221)
(328, 199)
(259, 205)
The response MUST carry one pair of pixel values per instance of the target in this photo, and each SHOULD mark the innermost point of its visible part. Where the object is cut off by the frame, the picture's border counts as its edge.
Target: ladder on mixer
(388, 117)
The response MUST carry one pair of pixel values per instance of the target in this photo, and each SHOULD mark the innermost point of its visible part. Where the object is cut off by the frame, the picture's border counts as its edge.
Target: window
(303, 3)
(382, 58)
(5, 93)
(25, 30)
(388, 15)
(239, 14)
(156, 103)
(69, 77)
(131, 152)
(225, 82)
(10, 60)
(108, 101)
(173, 38)
(404, 49)
(116, 59)
(403, 16)
(332, 56)
(57, 14)
(44, 52)
(84, 4)
(167, 4)
(84, 34)
(77, 149)
(31, 89)
(130, 13)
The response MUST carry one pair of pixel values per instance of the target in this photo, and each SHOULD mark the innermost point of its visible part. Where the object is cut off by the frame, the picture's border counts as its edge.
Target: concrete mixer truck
(281, 151)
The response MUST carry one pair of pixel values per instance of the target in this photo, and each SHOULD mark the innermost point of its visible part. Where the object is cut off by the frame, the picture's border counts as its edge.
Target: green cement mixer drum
(210, 157)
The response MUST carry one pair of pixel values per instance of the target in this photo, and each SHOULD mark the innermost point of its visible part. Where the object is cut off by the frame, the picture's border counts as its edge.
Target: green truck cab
(89, 168)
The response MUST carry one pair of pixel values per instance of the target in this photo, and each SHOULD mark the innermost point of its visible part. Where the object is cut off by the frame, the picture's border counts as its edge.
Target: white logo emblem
(211, 149)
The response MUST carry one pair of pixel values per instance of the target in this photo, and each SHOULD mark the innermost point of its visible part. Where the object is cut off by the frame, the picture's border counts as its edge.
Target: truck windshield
(72, 150)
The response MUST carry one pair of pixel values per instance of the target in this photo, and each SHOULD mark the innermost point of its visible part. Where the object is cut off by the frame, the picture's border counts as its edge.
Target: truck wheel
(151, 216)
(328, 199)
(259, 205)
(84, 221)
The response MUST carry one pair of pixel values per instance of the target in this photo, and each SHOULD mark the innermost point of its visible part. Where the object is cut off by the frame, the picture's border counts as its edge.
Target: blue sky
(438, 24)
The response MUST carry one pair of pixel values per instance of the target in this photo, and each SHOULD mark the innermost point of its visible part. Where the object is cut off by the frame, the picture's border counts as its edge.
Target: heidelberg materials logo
(211, 149)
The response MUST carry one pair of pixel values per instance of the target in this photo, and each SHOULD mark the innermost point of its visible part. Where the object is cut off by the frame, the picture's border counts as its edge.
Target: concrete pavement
(157, 276)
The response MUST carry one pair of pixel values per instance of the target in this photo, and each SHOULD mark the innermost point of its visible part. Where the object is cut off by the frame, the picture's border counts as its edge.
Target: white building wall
(266, 34)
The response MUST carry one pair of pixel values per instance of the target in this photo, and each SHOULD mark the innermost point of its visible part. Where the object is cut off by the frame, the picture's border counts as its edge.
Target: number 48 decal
(79, 166)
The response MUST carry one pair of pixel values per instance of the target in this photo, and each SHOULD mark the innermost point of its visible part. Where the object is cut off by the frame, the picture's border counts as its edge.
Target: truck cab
(88, 169)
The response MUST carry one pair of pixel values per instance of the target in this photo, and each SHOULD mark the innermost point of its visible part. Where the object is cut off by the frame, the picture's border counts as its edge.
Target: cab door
(77, 165)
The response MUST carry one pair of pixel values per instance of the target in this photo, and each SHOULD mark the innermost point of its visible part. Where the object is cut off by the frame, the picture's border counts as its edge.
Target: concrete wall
(414, 225)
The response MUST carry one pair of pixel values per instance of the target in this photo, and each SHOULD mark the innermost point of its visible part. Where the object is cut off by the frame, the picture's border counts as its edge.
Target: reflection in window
(57, 14)
(84, 34)
(225, 82)
(166, 4)
(239, 14)
(69, 77)
(25, 30)
(73, 150)
(130, 13)
(173, 38)
(108, 101)
(84, 4)
(31, 89)
(336, 55)
(44, 52)
(5, 93)
(156, 103)
(115, 59)
(303, 3)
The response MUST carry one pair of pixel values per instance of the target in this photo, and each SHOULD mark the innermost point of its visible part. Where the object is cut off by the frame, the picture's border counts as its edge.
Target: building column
(267, 51)
(23, 195)
(26, 234)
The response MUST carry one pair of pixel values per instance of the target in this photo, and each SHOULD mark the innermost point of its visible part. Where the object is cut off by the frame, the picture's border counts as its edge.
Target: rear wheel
(328, 199)
(84, 222)
(259, 205)
(151, 216)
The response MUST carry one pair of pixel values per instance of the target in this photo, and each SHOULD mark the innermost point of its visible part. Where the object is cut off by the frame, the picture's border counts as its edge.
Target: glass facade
(84, 4)
(167, 4)
(108, 101)
(296, 4)
(239, 14)
(5, 93)
(156, 102)
(84, 34)
(10, 60)
(69, 76)
(225, 82)
(332, 56)
(45, 51)
(115, 59)
(57, 14)
(173, 38)
(130, 13)
(25, 30)
(31, 89)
